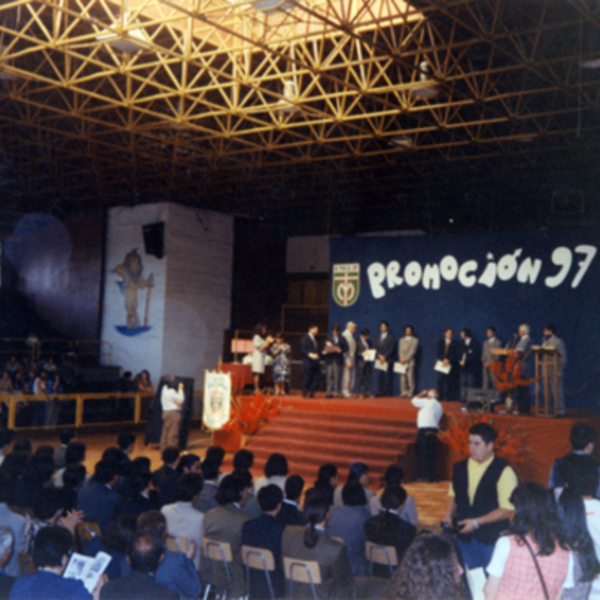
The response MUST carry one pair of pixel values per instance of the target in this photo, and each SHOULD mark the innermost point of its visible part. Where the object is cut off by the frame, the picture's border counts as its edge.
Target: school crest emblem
(346, 283)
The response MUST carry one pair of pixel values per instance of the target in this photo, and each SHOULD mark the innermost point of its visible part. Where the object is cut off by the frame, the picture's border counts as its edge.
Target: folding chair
(382, 555)
(260, 559)
(213, 550)
(177, 543)
(302, 571)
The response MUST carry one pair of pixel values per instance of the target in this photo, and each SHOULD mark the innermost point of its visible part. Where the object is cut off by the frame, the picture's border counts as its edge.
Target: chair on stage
(260, 559)
(302, 571)
(382, 555)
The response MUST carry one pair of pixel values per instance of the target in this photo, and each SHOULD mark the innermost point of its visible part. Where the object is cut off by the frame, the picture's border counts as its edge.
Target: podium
(546, 371)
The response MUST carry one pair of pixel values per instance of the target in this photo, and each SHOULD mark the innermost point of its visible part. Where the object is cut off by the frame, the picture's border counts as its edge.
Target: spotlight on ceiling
(132, 41)
(272, 6)
(594, 63)
(401, 142)
(426, 88)
(290, 95)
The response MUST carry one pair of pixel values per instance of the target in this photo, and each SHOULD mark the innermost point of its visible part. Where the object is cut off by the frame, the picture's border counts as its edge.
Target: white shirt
(430, 412)
(500, 556)
(184, 520)
(171, 399)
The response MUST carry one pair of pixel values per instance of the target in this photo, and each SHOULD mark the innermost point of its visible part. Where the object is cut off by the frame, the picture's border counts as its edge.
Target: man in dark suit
(448, 352)
(385, 347)
(470, 366)
(266, 532)
(206, 499)
(145, 556)
(98, 499)
(6, 551)
(165, 479)
(289, 513)
(310, 362)
(364, 368)
(388, 529)
(333, 351)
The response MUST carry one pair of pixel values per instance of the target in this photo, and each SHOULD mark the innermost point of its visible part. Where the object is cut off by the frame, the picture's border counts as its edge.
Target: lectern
(546, 371)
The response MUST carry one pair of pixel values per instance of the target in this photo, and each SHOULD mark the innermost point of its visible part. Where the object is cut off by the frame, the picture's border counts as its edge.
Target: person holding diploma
(364, 366)
(333, 351)
(261, 345)
(385, 347)
(448, 354)
(407, 350)
(310, 362)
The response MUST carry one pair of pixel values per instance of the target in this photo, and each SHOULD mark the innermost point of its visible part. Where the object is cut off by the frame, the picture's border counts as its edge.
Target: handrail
(79, 398)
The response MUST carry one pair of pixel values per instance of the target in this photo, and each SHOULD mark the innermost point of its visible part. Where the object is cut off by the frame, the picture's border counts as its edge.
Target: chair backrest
(251, 557)
(216, 550)
(302, 570)
(177, 543)
(26, 564)
(382, 555)
(86, 530)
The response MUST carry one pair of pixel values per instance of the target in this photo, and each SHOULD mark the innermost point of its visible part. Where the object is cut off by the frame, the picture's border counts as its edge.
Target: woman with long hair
(312, 543)
(571, 510)
(359, 471)
(429, 571)
(327, 479)
(261, 345)
(532, 560)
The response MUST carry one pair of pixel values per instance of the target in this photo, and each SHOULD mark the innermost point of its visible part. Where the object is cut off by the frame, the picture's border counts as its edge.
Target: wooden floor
(430, 498)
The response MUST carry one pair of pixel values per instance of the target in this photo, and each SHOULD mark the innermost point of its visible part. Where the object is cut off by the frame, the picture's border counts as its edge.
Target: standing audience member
(144, 383)
(334, 350)
(364, 368)
(586, 567)
(428, 421)
(225, 524)
(7, 543)
(51, 550)
(348, 523)
(531, 560)
(145, 556)
(311, 367)
(313, 543)
(182, 518)
(266, 532)
(394, 476)
(388, 529)
(430, 571)
(281, 352)
(276, 470)
(349, 374)
(289, 513)
(171, 401)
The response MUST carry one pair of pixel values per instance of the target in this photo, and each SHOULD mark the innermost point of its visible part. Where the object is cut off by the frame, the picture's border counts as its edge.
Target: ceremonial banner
(217, 399)
(476, 281)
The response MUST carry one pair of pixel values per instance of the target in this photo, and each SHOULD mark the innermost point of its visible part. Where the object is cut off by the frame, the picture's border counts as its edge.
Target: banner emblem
(217, 399)
(346, 283)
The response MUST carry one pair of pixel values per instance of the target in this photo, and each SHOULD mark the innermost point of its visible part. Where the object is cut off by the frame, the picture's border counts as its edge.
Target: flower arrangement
(510, 444)
(251, 413)
(508, 372)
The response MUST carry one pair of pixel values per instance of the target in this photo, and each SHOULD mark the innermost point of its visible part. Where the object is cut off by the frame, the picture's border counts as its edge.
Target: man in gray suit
(487, 358)
(407, 349)
(349, 374)
(552, 341)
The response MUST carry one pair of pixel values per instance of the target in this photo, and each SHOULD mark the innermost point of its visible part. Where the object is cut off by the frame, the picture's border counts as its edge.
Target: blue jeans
(473, 553)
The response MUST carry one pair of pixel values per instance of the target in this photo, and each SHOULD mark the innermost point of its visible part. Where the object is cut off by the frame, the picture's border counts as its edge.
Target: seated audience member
(289, 513)
(48, 510)
(583, 442)
(51, 550)
(36, 477)
(11, 472)
(389, 529)
(165, 479)
(216, 454)
(126, 443)
(126, 383)
(224, 524)
(394, 476)
(429, 571)
(189, 463)
(74, 455)
(143, 382)
(276, 470)
(73, 480)
(6, 439)
(14, 521)
(6, 551)
(142, 463)
(243, 460)
(177, 571)
(251, 508)
(141, 497)
(97, 498)
(23, 446)
(266, 532)
(535, 529)
(116, 542)
(313, 543)
(348, 523)
(145, 556)
(358, 472)
(210, 473)
(327, 479)
(182, 518)
(65, 436)
(586, 567)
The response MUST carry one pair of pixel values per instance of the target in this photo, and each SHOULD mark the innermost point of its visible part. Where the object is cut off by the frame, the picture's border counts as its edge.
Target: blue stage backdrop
(476, 281)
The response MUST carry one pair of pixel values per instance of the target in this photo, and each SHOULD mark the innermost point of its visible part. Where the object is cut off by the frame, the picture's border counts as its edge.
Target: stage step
(310, 438)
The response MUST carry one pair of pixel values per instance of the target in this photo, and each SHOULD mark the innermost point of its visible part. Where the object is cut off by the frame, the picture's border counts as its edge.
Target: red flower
(249, 413)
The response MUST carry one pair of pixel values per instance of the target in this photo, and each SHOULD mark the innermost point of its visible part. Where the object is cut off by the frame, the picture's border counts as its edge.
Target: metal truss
(100, 100)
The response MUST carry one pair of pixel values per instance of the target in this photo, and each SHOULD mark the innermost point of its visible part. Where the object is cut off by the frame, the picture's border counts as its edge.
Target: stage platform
(313, 431)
